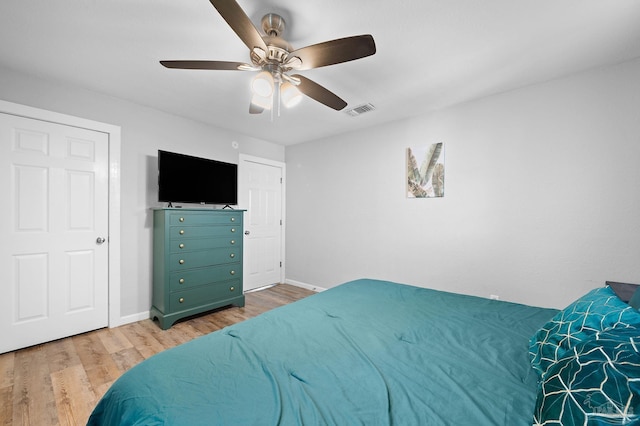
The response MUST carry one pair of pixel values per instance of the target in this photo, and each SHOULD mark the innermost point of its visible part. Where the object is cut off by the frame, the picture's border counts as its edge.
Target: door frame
(242, 158)
(113, 134)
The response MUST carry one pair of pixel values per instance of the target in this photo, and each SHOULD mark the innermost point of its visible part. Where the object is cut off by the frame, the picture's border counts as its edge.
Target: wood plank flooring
(59, 383)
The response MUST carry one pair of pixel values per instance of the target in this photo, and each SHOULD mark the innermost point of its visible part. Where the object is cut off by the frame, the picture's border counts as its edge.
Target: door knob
(246, 232)
(100, 240)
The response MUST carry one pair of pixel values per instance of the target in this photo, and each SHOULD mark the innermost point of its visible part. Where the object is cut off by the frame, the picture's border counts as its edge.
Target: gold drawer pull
(181, 261)
(231, 288)
(232, 255)
(181, 219)
(182, 232)
(181, 246)
(181, 300)
(181, 280)
(233, 219)
(232, 241)
(232, 272)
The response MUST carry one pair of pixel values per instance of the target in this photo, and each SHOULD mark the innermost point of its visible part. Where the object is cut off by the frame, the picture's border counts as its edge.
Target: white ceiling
(430, 53)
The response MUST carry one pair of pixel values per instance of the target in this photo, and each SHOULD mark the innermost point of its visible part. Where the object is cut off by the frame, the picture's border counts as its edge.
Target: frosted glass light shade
(262, 84)
(290, 95)
(263, 102)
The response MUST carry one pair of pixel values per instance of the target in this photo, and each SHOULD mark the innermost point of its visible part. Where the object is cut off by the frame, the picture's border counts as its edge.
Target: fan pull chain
(278, 94)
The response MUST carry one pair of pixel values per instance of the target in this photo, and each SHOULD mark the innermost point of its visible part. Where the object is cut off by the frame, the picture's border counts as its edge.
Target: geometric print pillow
(598, 310)
(595, 383)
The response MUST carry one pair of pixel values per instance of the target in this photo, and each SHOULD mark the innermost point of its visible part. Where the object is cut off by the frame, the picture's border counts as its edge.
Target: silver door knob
(100, 240)
(246, 232)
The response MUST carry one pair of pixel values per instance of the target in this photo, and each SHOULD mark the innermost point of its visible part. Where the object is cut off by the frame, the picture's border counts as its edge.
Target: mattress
(366, 352)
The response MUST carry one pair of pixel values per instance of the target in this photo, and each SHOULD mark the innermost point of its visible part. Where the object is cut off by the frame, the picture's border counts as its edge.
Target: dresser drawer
(183, 280)
(198, 259)
(205, 218)
(191, 244)
(182, 232)
(198, 296)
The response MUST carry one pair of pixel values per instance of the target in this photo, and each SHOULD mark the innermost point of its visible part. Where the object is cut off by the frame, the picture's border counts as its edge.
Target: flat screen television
(187, 179)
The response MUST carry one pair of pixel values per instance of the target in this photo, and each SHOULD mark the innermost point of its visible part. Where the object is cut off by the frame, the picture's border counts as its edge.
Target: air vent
(359, 110)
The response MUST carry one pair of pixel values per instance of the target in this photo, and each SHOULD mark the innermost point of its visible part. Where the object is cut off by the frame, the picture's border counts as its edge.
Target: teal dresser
(197, 262)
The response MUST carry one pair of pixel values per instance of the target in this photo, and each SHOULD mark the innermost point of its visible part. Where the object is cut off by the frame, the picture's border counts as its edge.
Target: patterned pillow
(595, 383)
(598, 310)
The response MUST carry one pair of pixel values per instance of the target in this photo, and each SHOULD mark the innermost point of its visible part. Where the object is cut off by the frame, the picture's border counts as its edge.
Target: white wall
(542, 196)
(144, 131)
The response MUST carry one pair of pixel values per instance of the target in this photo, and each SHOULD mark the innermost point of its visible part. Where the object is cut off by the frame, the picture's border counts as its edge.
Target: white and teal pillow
(598, 310)
(597, 382)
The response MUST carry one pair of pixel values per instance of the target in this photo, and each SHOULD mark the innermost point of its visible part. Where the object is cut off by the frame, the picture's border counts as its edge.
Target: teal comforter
(364, 353)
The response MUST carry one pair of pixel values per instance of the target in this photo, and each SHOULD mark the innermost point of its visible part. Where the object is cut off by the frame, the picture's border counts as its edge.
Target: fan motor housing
(278, 48)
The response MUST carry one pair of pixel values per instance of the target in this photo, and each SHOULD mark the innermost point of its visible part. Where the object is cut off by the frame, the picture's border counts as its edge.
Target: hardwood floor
(59, 383)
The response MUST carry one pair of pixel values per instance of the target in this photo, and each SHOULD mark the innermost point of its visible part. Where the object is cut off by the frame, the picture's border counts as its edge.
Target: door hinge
(280, 222)
(281, 264)
(280, 180)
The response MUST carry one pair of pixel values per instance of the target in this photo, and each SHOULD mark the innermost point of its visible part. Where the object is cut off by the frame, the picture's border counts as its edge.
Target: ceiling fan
(275, 60)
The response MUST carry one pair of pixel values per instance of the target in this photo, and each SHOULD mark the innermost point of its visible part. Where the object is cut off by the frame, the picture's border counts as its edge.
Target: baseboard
(129, 319)
(145, 315)
(304, 285)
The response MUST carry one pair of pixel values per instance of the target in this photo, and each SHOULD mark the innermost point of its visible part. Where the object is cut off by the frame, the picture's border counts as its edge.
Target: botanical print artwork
(427, 180)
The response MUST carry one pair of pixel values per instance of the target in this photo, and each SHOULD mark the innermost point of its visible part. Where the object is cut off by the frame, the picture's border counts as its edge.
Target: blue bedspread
(364, 353)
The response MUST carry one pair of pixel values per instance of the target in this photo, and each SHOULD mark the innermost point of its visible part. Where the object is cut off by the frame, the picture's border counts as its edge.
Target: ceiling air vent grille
(359, 110)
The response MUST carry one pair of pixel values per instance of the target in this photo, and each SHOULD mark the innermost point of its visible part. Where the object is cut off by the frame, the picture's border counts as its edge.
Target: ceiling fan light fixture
(262, 84)
(263, 102)
(290, 95)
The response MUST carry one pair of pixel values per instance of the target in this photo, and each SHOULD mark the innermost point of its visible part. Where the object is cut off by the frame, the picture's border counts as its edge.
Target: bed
(371, 352)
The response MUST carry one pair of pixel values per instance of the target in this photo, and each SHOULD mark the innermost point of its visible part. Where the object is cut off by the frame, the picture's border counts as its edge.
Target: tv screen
(187, 179)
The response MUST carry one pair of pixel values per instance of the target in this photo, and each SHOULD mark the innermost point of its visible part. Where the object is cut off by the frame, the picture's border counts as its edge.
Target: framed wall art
(425, 171)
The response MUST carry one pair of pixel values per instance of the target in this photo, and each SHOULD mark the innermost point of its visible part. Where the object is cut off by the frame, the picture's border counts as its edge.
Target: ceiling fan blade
(240, 23)
(206, 65)
(334, 52)
(319, 93)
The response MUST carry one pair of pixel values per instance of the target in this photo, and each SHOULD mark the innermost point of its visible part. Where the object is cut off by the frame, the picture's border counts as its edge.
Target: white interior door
(261, 194)
(54, 181)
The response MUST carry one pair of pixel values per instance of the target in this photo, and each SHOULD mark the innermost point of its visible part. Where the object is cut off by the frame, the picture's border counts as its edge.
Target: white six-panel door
(260, 193)
(54, 262)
